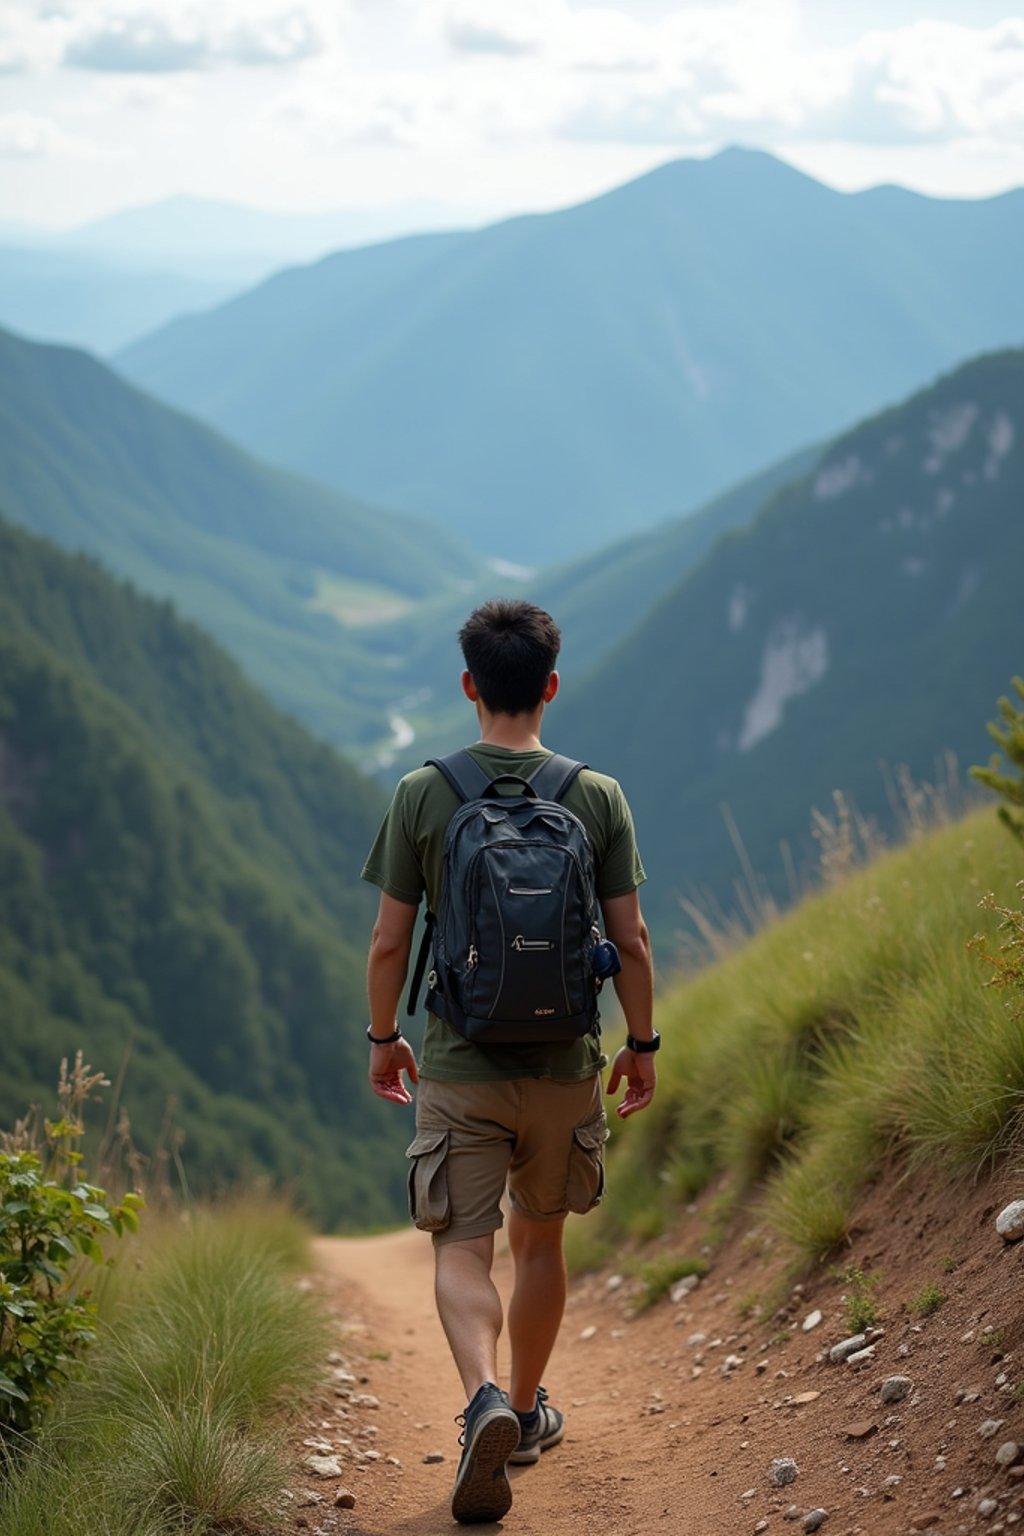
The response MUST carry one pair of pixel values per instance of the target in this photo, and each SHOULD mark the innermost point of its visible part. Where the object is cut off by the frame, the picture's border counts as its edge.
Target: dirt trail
(674, 1416)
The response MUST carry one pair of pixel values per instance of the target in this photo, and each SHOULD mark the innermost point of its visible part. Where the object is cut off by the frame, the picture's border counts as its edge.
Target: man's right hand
(387, 1063)
(640, 1074)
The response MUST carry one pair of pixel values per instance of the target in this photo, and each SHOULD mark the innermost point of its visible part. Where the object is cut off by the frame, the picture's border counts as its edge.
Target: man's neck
(516, 733)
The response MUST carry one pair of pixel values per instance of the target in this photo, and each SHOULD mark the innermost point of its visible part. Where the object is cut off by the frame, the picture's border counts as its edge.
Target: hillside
(241, 547)
(180, 892)
(549, 383)
(870, 616)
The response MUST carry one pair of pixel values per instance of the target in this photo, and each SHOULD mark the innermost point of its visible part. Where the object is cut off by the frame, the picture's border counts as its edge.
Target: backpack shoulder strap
(552, 779)
(463, 773)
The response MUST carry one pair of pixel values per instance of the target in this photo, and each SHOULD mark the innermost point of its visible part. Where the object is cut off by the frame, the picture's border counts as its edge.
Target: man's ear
(551, 689)
(469, 687)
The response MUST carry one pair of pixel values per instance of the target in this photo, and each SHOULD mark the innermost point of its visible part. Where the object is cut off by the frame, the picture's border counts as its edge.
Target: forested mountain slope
(94, 464)
(552, 382)
(870, 616)
(179, 891)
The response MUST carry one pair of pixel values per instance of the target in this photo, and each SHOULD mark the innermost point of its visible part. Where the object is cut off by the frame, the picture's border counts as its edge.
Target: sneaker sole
(482, 1490)
(527, 1458)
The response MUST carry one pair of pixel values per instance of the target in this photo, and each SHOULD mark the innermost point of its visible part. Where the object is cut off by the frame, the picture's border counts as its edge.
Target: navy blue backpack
(516, 929)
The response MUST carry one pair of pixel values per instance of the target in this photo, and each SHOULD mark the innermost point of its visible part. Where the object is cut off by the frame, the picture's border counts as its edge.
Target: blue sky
(491, 106)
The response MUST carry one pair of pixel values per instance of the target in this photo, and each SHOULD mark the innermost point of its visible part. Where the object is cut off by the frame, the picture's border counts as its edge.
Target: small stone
(1017, 1473)
(1010, 1222)
(794, 1512)
(861, 1356)
(762, 1525)
(987, 1507)
(324, 1466)
(588, 1333)
(325, 1447)
(895, 1388)
(815, 1519)
(926, 1519)
(307, 1498)
(344, 1499)
(812, 1320)
(990, 1427)
(614, 1282)
(846, 1347)
(804, 1397)
(683, 1287)
(432, 1458)
(862, 1430)
(750, 1493)
(782, 1471)
(365, 1400)
(1008, 1453)
(730, 1364)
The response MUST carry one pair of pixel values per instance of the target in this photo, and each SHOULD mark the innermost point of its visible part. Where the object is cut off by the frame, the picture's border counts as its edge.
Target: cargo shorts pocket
(586, 1165)
(429, 1204)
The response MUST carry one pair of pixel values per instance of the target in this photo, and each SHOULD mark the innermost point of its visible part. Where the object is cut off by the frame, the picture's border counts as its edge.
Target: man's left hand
(639, 1071)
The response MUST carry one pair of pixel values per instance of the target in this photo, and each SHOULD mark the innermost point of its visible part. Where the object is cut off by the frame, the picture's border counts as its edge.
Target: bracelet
(388, 1039)
(643, 1046)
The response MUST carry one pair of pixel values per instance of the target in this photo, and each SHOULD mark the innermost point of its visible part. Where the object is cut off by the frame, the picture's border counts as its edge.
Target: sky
(491, 106)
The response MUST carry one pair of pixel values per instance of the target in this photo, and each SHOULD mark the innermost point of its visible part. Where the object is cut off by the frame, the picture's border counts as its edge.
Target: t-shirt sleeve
(392, 863)
(620, 870)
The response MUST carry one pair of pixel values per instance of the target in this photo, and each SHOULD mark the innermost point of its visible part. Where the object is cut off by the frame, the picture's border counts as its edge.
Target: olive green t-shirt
(405, 862)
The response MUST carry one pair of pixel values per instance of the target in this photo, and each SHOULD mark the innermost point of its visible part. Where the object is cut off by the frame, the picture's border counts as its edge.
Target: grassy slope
(853, 1032)
(94, 464)
(550, 382)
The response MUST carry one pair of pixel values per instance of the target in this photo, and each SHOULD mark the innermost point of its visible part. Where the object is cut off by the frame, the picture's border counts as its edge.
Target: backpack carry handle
(523, 785)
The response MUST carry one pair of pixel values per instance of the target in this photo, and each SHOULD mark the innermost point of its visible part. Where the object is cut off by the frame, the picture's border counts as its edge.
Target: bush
(51, 1225)
(1010, 737)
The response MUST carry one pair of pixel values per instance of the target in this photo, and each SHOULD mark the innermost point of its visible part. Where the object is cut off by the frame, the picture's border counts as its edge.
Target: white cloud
(24, 136)
(169, 38)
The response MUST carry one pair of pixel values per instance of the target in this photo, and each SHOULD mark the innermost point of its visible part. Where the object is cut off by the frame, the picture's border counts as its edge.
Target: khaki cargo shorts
(542, 1140)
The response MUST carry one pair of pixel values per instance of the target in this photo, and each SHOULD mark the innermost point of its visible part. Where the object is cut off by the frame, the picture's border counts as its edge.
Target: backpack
(516, 930)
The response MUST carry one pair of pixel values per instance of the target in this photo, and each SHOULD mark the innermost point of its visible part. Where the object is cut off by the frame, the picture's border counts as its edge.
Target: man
(528, 1117)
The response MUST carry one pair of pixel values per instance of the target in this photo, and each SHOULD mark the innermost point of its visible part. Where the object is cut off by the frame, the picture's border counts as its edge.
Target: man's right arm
(634, 987)
(386, 970)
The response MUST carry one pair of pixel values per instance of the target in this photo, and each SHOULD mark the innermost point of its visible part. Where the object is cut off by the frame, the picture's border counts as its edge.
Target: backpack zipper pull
(472, 958)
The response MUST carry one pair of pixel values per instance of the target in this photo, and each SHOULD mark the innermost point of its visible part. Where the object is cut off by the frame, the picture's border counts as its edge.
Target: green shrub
(860, 1309)
(1010, 736)
(47, 1227)
(928, 1300)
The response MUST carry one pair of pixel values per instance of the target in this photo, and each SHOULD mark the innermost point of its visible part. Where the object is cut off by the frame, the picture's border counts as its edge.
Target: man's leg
(469, 1308)
(470, 1311)
(538, 1301)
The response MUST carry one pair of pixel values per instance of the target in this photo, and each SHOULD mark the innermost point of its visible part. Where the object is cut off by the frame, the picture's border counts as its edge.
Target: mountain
(553, 382)
(270, 563)
(88, 301)
(180, 895)
(867, 619)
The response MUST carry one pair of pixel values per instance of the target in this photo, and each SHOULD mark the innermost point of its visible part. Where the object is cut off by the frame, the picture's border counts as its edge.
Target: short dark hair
(510, 648)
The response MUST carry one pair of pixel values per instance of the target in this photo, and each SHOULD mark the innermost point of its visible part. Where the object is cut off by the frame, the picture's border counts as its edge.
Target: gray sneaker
(490, 1434)
(541, 1436)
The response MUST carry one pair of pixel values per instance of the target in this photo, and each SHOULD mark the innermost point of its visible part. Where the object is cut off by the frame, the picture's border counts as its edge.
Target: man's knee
(528, 1235)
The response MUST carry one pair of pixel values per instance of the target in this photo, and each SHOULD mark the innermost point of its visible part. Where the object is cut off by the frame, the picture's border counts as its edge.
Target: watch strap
(644, 1047)
(387, 1040)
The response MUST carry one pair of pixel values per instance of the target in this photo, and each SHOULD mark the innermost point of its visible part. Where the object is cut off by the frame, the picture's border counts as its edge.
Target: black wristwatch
(643, 1047)
(388, 1039)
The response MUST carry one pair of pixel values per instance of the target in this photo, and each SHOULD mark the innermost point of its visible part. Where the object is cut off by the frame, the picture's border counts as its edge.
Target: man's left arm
(386, 970)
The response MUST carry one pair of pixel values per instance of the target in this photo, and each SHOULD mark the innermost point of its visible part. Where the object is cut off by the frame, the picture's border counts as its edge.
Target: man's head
(511, 648)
